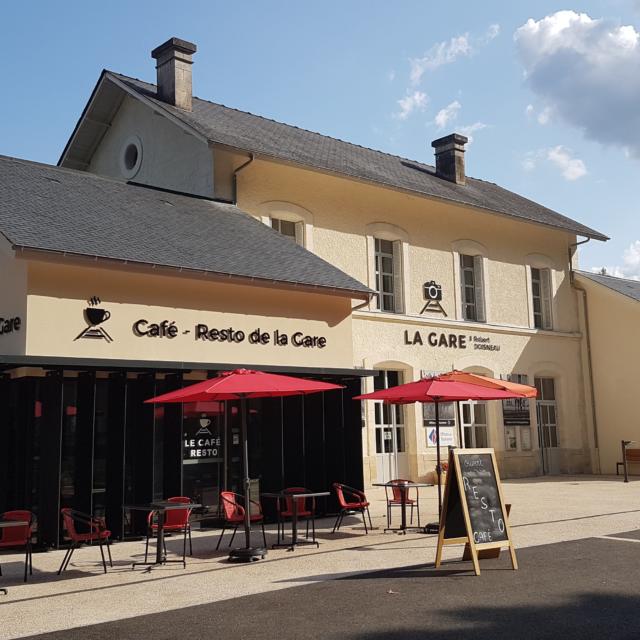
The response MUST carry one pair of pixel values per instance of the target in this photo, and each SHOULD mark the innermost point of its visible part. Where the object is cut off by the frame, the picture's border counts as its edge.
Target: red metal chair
(98, 532)
(395, 499)
(233, 514)
(18, 536)
(306, 508)
(175, 520)
(351, 499)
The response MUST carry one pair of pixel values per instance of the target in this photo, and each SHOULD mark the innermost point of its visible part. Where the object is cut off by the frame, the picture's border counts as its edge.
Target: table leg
(294, 524)
(160, 538)
(403, 506)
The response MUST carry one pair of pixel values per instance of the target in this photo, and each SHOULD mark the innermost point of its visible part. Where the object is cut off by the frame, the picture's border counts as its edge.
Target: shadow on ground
(572, 590)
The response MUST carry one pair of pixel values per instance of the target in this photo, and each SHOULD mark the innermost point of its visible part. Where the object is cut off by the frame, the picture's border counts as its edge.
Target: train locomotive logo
(94, 317)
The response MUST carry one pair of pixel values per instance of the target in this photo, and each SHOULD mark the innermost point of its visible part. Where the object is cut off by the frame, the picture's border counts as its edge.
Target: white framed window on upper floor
(469, 259)
(540, 291)
(541, 298)
(388, 266)
(292, 230)
(289, 219)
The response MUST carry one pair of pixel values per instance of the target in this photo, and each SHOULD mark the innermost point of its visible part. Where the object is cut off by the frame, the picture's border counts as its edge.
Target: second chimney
(174, 72)
(450, 157)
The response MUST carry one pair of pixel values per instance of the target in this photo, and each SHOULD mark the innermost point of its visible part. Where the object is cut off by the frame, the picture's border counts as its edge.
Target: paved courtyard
(577, 541)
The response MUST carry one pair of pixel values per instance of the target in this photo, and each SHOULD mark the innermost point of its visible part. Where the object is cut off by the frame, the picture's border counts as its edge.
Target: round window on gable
(131, 157)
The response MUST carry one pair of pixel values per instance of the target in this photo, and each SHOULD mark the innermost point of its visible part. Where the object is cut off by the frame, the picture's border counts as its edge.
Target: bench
(629, 456)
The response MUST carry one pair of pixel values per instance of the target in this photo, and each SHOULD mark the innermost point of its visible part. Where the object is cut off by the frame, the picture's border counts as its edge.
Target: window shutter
(479, 288)
(545, 294)
(300, 233)
(463, 313)
(398, 293)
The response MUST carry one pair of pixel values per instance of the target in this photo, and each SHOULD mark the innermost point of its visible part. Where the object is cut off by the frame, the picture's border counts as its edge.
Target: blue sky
(551, 100)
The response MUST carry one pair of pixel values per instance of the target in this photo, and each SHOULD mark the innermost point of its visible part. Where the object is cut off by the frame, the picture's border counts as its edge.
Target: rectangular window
(541, 298)
(474, 424)
(472, 288)
(547, 412)
(292, 230)
(388, 256)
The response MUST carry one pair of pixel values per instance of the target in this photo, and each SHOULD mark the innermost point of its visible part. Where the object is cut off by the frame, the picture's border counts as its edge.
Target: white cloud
(416, 101)
(630, 267)
(448, 114)
(391, 76)
(492, 33)
(529, 110)
(440, 54)
(571, 168)
(470, 129)
(586, 72)
(544, 116)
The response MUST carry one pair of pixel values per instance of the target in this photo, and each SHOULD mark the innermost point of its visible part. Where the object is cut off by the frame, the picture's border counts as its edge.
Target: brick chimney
(450, 157)
(174, 72)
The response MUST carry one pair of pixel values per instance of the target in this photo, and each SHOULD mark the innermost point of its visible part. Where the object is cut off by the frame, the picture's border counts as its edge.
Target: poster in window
(515, 411)
(446, 414)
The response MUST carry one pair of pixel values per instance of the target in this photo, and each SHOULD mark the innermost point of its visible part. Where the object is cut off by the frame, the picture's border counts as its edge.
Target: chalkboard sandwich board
(473, 509)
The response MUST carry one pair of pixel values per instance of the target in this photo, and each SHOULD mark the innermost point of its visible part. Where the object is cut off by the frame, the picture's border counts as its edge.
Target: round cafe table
(404, 488)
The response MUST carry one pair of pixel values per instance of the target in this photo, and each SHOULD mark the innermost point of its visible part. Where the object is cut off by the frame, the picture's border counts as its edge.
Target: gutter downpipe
(252, 157)
(572, 249)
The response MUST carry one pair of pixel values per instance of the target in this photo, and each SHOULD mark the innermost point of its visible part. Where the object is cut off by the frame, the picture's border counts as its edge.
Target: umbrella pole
(248, 553)
(438, 465)
(247, 482)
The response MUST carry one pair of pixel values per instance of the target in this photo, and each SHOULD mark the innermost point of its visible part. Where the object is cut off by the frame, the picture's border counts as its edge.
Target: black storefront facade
(82, 437)
(114, 293)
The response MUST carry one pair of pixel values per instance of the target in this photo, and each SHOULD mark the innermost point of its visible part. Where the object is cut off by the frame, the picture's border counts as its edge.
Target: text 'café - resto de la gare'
(178, 238)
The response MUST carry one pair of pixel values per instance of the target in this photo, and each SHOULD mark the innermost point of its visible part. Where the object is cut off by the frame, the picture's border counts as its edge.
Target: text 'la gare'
(435, 339)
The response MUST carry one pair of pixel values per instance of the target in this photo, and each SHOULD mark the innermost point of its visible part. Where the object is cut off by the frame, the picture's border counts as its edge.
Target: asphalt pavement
(571, 590)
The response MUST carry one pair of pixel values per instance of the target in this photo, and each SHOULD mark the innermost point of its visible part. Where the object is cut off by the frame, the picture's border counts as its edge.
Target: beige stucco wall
(13, 301)
(58, 295)
(171, 157)
(344, 216)
(615, 352)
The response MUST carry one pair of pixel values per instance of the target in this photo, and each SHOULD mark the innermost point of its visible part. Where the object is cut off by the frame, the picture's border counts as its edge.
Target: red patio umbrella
(244, 384)
(450, 387)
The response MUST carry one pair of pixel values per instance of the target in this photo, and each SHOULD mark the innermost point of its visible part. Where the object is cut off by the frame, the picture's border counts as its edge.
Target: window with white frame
(388, 269)
(541, 298)
(516, 417)
(292, 230)
(547, 412)
(472, 288)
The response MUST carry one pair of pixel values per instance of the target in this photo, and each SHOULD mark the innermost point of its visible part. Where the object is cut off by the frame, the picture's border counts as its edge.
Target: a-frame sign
(473, 510)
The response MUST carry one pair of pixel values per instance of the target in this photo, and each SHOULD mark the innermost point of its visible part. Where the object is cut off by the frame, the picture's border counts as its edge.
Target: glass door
(391, 458)
(546, 411)
(473, 416)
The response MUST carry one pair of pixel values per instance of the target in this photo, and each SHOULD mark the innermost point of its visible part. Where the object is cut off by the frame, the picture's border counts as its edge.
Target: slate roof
(62, 210)
(629, 288)
(248, 132)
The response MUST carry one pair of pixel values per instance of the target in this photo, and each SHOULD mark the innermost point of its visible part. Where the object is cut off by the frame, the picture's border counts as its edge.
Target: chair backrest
(303, 504)
(17, 535)
(69, 523)
(177, 517)
(340, 494)
(230, 507)
(395, 490)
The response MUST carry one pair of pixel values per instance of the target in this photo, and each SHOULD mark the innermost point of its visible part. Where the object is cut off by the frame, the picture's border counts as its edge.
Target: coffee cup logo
(95, 316)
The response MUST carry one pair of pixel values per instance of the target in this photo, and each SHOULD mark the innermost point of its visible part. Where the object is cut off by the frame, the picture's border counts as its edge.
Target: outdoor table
(283, 495)
(161, 507)
(404, 488)
(11, 523)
